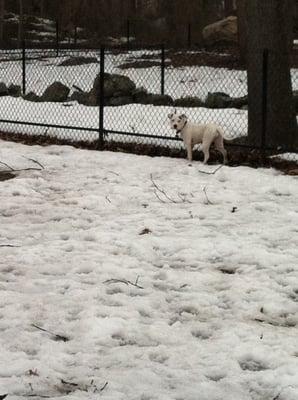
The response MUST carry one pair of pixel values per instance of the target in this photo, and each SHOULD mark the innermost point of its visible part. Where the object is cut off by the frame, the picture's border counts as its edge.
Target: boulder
(223, 31)
(83, 98)
(3, 89)
(158, 99)
(14, 90)
(223, 100)
(218, 100)
(120, 101)
(115, 85)
(239, 102)
(188, 102)
(139, 95)
(57, 92)
(31, 96)
(80, 60)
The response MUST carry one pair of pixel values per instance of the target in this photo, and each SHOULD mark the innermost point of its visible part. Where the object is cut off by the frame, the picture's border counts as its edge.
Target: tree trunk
(242, 29)
(2, 21)
(21, 24)
(269, 26)
(228, 7)
(42, 9)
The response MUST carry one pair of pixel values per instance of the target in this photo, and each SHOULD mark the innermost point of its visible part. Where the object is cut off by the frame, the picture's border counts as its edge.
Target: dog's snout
(175, 126)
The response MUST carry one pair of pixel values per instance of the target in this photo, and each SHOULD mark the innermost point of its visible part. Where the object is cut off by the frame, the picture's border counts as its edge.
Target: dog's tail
(223, 134)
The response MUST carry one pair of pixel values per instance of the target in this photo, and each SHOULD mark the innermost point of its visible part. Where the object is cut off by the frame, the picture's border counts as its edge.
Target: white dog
(198, 133)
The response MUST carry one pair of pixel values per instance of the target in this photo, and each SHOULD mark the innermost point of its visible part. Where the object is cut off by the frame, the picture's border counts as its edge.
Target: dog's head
(177, 121)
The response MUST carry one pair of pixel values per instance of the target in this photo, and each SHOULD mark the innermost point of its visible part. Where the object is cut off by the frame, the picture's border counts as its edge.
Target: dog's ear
(170, 115)
(183, 116)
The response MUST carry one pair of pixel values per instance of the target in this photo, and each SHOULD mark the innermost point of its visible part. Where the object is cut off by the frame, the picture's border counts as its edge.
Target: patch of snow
(209, 278)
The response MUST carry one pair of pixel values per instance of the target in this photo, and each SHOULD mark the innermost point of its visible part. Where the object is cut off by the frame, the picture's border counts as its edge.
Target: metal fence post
(101, 98)
(162, 70)
(264, 99)
(189, 35)
(24, 67)
(57, 38)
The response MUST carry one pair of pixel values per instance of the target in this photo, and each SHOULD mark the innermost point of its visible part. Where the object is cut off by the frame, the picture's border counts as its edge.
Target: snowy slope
(214, 313)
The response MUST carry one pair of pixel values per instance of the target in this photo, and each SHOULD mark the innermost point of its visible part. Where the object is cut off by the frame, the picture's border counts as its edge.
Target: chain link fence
(112, 98)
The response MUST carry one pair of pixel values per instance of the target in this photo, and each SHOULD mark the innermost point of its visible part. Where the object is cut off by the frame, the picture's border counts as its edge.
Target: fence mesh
(56, 93)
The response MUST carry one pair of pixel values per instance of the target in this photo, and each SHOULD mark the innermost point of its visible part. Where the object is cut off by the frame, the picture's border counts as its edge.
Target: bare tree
(2, 5)
(270, 27)
(242, 28)
(21, 23)
(228, 7)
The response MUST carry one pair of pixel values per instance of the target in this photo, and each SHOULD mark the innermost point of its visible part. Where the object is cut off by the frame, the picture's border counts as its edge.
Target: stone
(120, 101)
(80, 60)
(14, 90)
(159, 100)
(218, 100)
(3, 89)
(115, 85)
(188, 102)
(223, 31)
(57, 92)
(31, 96)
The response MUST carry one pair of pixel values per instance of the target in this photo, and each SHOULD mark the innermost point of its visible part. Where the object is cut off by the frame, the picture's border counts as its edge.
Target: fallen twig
(113, 172)
(125, 281)
(69, 383)
(158, 190)
(104, 386)
(161, 190)
(107, 198)
(210, 173)
(57, 337)
(161, 200)
(8, 245)
(34, 161)
(205, 192)
(6, 165)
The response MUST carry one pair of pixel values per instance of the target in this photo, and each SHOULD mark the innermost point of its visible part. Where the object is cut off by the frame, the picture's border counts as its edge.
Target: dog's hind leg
(219, 145)
(205, 148)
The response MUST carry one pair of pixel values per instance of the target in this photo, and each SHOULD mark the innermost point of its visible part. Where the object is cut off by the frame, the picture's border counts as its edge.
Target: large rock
(158, 100)
(188, 102)
(218, 100)
(120, 101)
(115, 85)
(84, 98)
(57, 92)
(139, 95)
(14, 90)
(223, 100)
(80, 60)
(223, 31)
(3, 89)
(31, 96)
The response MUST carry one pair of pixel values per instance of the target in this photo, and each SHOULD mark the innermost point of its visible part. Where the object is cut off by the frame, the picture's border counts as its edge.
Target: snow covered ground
(163, 296)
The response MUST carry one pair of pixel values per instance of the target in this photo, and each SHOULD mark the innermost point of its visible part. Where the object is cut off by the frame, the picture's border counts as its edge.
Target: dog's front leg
(189, 151)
